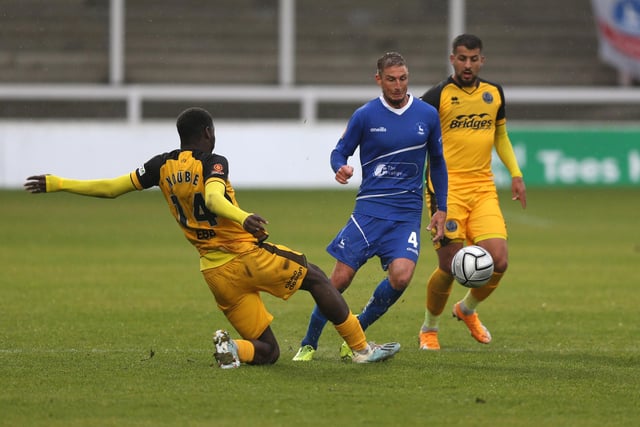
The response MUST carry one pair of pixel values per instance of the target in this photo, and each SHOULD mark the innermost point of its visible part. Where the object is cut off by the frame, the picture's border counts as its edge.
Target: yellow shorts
(473, 217)
(237, 284)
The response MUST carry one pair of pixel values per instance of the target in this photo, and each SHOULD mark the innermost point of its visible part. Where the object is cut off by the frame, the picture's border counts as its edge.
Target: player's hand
(254, 224)
(344, 174)
(436, 226)
(36, 184)
(519, 191)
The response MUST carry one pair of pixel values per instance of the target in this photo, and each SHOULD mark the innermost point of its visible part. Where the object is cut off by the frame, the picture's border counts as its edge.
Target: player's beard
(466, 81)
(395, 102)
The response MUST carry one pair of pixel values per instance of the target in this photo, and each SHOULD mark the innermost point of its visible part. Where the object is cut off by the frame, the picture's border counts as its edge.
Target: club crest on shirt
(420, 128)
(217, 169)
(487, 97)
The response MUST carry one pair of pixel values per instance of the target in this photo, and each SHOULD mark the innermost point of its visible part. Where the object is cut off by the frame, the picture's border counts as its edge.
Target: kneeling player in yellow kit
(235, 260)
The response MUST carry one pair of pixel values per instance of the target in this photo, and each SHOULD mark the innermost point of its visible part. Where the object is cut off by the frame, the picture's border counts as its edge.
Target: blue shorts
(364, 236)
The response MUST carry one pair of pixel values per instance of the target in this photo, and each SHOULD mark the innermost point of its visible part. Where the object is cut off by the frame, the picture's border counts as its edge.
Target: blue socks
(314, 330)
(383, 297)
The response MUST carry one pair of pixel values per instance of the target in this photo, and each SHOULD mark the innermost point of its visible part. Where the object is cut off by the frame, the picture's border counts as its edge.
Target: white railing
(307, 96)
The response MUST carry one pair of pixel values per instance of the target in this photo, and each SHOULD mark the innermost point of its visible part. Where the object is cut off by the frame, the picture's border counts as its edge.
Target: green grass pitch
(106, 321)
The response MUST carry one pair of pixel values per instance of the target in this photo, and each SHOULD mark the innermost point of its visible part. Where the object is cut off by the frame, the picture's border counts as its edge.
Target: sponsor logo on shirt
(141, 170)
(293, 280)
(397, 170)
(471, 121)
(378, 129)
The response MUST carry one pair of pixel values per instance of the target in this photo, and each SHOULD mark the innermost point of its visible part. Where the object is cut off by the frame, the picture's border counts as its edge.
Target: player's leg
(350, 249)
(266, 348)
(398, 246)
(497, 247)
(334, 308)
(340, 279)
(272, 268)
(231, 352)
(246, 312)
(440, 281)
(331, 303)
(438, 290)
(388, 291)
(486, 228)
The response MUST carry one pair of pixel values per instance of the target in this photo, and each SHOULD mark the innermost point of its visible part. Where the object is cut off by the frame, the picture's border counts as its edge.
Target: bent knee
(500, 265)
(273, 356)
(400, 283)
(266, 356)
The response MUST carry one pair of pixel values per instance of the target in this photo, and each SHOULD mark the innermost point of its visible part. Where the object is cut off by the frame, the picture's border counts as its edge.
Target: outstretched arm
(106, 188)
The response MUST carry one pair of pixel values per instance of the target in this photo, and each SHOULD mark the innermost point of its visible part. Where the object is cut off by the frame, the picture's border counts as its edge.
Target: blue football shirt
(394, 146)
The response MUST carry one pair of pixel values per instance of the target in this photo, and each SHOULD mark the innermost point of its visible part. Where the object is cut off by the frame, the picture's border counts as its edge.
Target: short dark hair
(390, 59)
(191, 122)
(469, 41)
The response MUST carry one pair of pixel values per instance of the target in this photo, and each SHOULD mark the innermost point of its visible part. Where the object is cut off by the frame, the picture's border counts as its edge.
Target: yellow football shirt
(468, 117)
(182, 176)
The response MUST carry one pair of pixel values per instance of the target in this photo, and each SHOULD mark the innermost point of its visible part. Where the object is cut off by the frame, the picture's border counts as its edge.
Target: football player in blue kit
(396, 134)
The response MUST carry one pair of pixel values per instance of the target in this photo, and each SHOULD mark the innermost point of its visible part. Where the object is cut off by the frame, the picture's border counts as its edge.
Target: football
(472, 266)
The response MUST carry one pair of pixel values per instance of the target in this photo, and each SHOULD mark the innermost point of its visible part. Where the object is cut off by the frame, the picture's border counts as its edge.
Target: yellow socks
(476, 295)
(438, 291)
(351, 331)
(246, 350)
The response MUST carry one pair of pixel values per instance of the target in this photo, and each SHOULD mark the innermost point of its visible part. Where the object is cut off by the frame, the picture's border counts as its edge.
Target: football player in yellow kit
(235, 260)
(473, 120)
